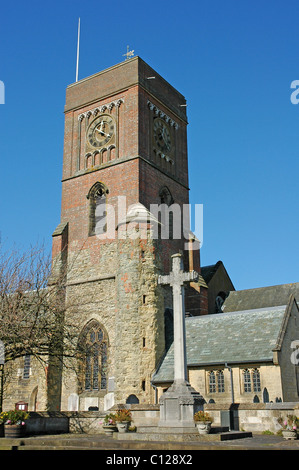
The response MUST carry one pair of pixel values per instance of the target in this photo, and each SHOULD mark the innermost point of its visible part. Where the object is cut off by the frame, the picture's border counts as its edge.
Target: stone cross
(176, 280)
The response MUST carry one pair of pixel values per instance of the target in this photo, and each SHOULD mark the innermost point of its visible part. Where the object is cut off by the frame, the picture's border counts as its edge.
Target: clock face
(162, 135)
(101, 131)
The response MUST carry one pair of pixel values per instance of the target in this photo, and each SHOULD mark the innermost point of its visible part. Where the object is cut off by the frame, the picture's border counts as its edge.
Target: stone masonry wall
(31, 390)
(139, 317)
(287, 358)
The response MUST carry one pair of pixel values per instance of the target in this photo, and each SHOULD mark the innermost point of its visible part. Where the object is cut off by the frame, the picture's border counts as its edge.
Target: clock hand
(165, 138)
(101, 124)
(102, 132)
(101, 129)
(161, 134)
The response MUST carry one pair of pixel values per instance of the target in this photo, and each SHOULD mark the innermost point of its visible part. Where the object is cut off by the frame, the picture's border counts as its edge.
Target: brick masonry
(133, 311)
(114, 280)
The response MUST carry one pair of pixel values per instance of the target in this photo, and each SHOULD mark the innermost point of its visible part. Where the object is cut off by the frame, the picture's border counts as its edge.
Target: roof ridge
(265, 287)
(252, 310)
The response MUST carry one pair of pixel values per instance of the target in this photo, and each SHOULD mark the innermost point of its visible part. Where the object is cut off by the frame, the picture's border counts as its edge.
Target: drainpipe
(156, 393)
(231, 381)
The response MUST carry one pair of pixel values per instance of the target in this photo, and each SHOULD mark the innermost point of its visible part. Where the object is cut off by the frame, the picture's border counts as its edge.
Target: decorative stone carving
(101, 109)
(162, 115)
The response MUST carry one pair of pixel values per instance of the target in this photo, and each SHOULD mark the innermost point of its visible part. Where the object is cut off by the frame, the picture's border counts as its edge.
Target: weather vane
(128, 54)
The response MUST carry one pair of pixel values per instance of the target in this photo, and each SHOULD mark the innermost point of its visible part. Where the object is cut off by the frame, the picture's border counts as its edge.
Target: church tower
(125, 152)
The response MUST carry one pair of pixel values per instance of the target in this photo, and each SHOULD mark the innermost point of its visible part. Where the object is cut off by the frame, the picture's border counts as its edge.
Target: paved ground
(104, 443)
(258, 442)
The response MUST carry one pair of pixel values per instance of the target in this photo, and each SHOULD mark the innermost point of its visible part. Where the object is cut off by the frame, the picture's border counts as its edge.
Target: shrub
(203, 417)
(109, 420)
(13, 417)
(123, 415)
(290, 422)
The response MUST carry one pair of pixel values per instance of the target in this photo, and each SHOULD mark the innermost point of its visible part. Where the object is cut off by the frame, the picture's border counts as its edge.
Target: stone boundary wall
(56, 422)
(254, 417)
(47, 423)
(89, 422)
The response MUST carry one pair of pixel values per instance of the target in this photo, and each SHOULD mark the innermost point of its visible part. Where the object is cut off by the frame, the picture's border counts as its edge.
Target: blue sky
(234, 61)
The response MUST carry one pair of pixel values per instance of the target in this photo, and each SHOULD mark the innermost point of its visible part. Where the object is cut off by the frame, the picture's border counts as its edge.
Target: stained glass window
(104, 366)
(96, 356)
(92, 336)
(100, 335)
(88, 372)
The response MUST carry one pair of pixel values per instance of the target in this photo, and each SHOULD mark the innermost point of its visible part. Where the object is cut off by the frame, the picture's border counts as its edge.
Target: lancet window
(216, 381)
(251, 380)
(97, 197)
(94, 350)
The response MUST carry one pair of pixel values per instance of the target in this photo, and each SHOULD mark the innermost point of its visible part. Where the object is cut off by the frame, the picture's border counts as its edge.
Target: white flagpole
(78, 42)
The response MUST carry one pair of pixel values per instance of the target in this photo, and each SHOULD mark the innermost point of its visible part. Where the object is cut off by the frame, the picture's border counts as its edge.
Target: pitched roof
(208, 272)
(235, 337)
(261, 297)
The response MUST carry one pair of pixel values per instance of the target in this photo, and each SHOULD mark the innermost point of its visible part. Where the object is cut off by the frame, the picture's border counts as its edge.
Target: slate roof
(261, 297)
(236, 337)
(208, 272)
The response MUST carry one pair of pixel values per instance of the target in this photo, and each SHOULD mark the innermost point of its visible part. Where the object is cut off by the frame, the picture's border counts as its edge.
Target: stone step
(119, 441)
(101, 441)
(62, 447)
(189, 430)
(227, 436)
(113, 445)
(181, 437)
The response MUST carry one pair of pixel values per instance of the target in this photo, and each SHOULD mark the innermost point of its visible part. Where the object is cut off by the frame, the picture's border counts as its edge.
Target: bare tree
(32, 313)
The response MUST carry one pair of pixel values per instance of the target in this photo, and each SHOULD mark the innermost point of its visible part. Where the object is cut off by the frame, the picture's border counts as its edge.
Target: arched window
(165, 196)
(97, 209)
(220, 381)
(256, 380)
(132, 399)
(212, 382)
(26, 370)
(166, 201)
(247, 381)
(216, 381)
(251, 380)
(94, 346)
